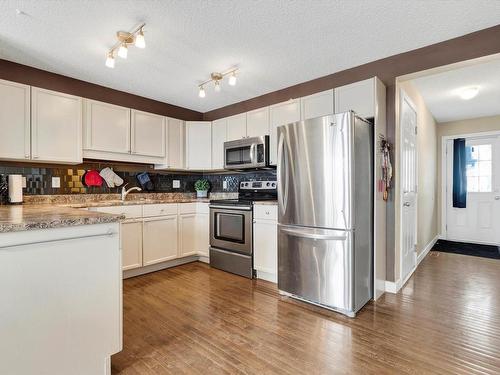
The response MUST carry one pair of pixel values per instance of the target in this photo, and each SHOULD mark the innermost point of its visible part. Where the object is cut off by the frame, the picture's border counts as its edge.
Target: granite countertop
(15, 218)
(133, 202)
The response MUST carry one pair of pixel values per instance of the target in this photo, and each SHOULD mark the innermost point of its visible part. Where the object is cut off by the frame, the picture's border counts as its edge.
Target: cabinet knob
(26, 156)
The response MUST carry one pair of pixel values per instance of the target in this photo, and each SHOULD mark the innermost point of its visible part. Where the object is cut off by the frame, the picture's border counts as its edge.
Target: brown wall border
(477, 44)
(12, 71)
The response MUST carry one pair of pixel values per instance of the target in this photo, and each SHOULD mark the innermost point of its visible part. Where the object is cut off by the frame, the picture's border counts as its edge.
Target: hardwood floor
(195, 320)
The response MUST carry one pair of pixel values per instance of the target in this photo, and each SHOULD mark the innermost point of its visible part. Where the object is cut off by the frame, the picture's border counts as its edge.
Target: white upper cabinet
(198, 145)
(236, 127)
(14, 121)
(107, 127)
(258, 122)
(56, 126)
(281, 114)
(317, 105)
(358, 97)
(175, 144)
(148, 134)
(218, 139)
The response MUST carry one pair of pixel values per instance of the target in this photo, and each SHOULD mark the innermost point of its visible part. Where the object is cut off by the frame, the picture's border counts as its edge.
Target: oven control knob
(268, 184)
(273, 184)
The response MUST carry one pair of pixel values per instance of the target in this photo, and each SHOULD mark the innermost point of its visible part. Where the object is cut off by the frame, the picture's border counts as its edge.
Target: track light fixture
(125, 38)
(217, 79)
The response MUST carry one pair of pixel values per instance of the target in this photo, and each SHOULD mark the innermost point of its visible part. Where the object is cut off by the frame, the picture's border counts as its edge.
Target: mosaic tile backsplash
(39, 179)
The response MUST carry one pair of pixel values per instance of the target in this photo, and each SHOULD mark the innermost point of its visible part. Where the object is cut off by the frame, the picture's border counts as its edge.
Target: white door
(198, 145)
(56, 126)
(258, 122)
(480, 220)
(281, 114)
(107, 127)
(317, 105)
(236, 127)
(265, 236)
(14, 121)
(131, 238)
(218, 139)
(175, 147)
(187, 235)
(159, 239)
(202, 234)
(408, 185)
(148, 134)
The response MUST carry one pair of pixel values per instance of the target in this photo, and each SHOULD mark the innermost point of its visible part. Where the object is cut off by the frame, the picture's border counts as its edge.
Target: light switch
(176, 184)
(56, 182)
(224, 185)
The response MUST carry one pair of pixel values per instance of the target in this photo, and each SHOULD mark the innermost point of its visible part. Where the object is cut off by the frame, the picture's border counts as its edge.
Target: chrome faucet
(125, 191)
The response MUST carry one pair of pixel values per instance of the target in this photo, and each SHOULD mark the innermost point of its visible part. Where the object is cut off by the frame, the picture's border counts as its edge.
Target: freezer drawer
(317, 265)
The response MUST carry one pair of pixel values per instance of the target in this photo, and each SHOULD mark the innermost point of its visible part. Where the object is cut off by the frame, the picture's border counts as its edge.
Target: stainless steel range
(231, 223)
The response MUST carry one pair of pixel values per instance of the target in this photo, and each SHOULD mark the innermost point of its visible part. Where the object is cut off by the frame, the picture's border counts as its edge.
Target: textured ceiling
(441, 92)
(276, 43)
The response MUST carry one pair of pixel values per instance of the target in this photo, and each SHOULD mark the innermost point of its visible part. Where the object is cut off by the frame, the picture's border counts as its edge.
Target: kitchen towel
(111, 178)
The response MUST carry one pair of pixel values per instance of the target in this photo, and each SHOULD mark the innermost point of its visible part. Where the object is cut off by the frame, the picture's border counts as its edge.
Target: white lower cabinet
(202, 234)
(265, 237)
(131, 236)
(159, 239)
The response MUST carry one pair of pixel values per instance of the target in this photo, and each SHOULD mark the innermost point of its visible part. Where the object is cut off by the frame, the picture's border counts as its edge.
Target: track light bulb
(217, 86)
(232, 79)
(110, 61)
(140, 42)
(202, 94)
(122, 51)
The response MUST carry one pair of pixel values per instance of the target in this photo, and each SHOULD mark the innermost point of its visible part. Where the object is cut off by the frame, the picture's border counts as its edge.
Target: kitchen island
(61, 288)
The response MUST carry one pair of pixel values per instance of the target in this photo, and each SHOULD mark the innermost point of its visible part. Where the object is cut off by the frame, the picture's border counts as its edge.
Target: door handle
(406, 204)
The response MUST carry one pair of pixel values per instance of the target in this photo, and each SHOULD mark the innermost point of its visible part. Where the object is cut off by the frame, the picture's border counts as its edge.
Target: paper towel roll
(15, 188)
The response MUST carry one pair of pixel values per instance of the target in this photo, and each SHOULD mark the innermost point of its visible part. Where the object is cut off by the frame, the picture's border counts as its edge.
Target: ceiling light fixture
(217, 79)
(125, 39)
(469, 93)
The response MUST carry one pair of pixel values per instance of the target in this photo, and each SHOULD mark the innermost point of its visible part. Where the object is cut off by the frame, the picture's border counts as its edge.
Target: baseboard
(272, 277)
(391, 286)
(159, 266)
(427, 248)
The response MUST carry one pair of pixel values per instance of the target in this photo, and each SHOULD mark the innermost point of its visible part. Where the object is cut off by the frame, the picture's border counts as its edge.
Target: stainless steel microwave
(244, 153)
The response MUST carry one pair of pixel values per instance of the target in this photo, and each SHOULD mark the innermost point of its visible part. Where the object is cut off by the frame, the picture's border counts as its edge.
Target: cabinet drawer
(194, 207)
(265, 211)
(129, 211)
(160, 209)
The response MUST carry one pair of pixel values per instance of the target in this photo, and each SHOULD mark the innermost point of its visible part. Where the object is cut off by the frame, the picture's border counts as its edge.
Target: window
(478, 169)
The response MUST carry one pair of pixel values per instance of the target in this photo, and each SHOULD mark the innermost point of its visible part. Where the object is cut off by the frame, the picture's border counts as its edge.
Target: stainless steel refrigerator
(325, 211)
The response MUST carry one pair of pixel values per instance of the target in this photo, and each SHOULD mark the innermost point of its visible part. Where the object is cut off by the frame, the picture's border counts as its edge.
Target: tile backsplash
(39, 178)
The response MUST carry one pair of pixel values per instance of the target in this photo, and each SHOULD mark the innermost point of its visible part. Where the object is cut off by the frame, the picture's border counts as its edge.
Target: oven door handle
(244, 208)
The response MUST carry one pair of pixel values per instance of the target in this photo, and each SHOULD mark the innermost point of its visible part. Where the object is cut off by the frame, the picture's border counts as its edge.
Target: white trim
(394, 287)
(268, 276)
(426, 249)
(444, 172)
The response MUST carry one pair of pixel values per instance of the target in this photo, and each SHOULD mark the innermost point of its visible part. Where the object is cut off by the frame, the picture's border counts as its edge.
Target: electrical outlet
(224, 185)
(56, 182)
(176, 184)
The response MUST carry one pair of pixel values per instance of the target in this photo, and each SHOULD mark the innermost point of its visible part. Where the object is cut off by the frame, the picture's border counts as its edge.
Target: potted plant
(201, 187)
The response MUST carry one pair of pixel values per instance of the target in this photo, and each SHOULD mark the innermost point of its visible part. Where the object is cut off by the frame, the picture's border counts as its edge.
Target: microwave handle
(253, 155)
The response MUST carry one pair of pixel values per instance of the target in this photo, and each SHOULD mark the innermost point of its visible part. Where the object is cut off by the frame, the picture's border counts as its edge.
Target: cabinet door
(175, 147)
(148, 134)
(258, 122)
(218, 139)
(159, 239)
(187, 235)
(265, 234)
(202, 234)
(14, 121)
(131, 236)
(358, 97)
(317, 105)
(56, 126)
(281, 114)
(107, 127)
(199, 145)
(236, 127)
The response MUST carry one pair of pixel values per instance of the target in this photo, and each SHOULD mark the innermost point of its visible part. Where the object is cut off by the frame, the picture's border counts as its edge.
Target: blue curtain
(459, 173)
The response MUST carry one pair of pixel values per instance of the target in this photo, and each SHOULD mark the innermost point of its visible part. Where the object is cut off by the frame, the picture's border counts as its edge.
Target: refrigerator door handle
(314, 236)
(282, 174)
